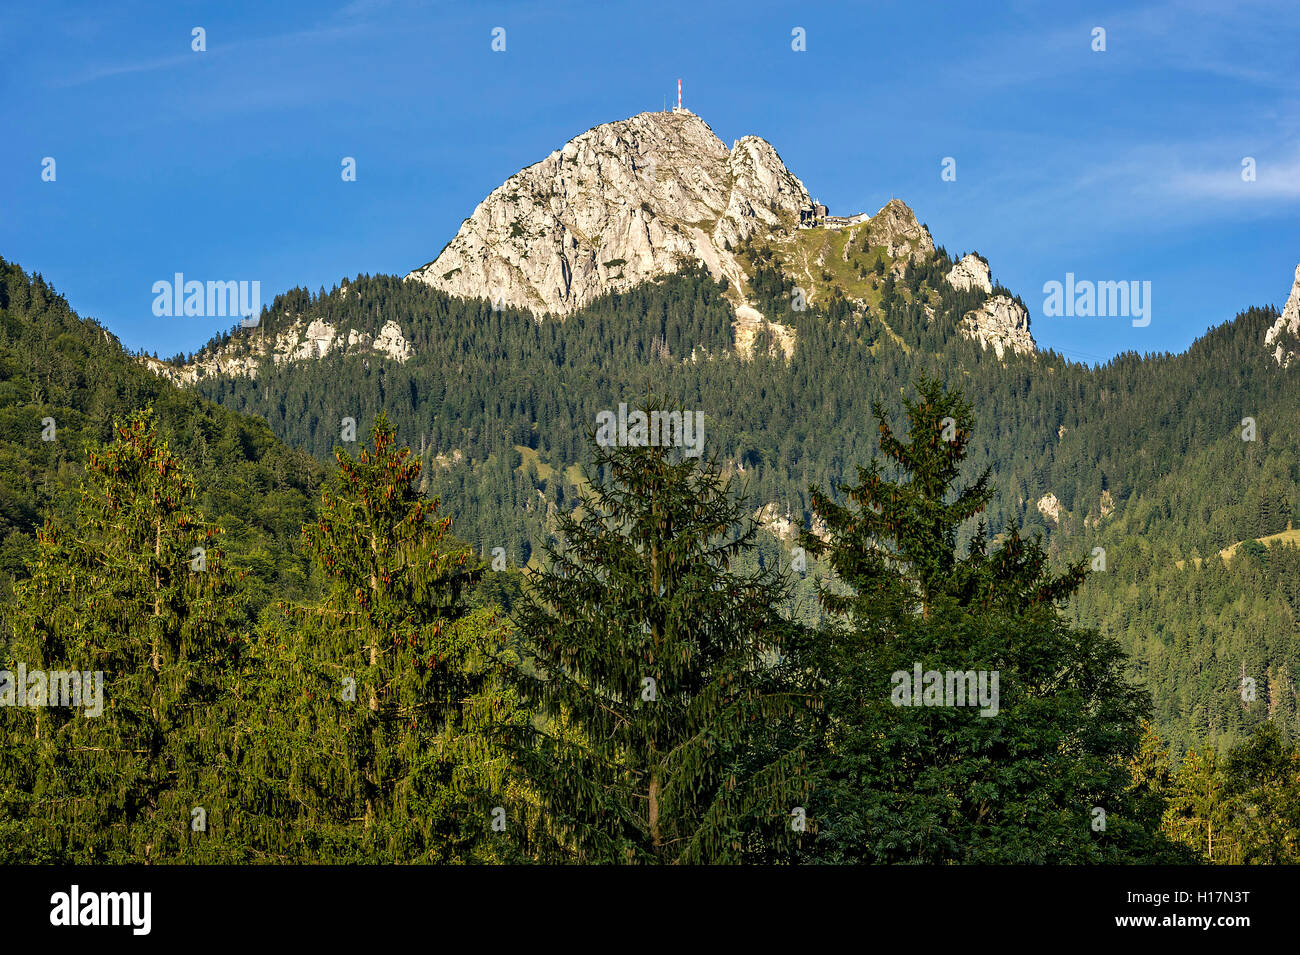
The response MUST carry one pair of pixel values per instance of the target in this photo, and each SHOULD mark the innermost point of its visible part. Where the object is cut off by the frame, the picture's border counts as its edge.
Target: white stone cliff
(624, 202)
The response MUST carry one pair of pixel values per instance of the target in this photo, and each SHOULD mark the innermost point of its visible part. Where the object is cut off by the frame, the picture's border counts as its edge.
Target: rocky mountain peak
(1002, 324)
(971, 272)
(1284, 337)
(895, 227)
(619, 204)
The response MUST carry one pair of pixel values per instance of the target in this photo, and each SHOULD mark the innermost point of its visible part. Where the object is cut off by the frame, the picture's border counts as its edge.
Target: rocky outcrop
(895, 228)
(1002, 324)
(971, 272)
(211, 366)
(771, 518)
(390, 343)
(622, 203)
(1050, 507)
(448, 460)
(1283, 339)
(749, 322)
(630, 201)
(300, 341)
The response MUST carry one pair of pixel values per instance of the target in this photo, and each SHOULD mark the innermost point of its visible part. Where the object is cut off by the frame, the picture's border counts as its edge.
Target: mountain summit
(624, 202)
(632, 201)
(1284, 337)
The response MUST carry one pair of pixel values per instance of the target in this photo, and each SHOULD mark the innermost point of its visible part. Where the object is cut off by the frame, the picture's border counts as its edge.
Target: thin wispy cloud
(121, 69)
(1273, 182)
(216, 47)
(1248, 42)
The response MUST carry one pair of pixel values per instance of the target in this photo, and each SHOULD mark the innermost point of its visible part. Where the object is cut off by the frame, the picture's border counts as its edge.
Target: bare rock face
(620, 204)
(300, 341)
(1105, 507)
(389, 342)
(895, 227)
(212, 366)
(749, 322)
(1284, 337)
(780, 523)
(971, 272)
(1000, 323)
(1050, 507)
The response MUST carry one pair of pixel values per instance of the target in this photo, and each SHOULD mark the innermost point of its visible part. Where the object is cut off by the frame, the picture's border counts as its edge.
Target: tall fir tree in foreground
(136, 589)
(655, 663)
(378, 706)
(1033, 768)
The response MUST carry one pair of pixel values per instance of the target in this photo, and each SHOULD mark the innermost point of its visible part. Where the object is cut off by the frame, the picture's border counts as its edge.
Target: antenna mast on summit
(679, 108)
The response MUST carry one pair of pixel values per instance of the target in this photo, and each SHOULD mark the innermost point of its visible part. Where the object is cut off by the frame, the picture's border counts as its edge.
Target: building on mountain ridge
(810, 218)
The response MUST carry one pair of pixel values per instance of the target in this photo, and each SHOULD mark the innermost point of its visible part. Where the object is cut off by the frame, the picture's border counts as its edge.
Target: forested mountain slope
(1143, 456)
(64, 380)
(1151, 474)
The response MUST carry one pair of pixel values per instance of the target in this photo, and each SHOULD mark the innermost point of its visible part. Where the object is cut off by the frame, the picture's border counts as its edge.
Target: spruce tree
(385, 691)
(1150, 789)
(656, 668)
(135, 589)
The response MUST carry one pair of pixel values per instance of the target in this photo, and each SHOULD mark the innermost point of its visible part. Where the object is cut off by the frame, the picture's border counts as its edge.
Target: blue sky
(1115, 165)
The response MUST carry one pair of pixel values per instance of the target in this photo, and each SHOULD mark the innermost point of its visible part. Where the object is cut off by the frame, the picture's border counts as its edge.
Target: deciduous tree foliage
(951, 781)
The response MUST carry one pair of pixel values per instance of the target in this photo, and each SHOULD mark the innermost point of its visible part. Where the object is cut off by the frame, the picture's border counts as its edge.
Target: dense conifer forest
(1144, 453)
(309, 655)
